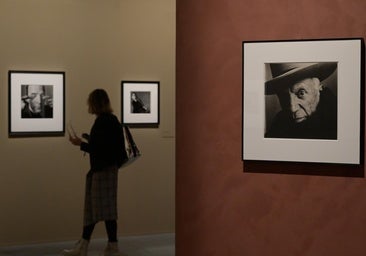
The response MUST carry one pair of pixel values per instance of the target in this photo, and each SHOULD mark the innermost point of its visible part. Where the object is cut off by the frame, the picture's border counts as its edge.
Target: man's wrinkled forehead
(303, 83)
(36, 89)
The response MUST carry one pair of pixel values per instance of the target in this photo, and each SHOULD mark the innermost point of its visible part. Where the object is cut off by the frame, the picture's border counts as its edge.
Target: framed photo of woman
(140, 103)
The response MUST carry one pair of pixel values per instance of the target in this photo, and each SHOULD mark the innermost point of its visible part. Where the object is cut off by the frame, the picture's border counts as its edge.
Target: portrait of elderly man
(308, 108)
(37, 101)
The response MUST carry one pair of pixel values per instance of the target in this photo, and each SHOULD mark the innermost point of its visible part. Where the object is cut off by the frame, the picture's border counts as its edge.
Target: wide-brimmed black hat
(286, 74)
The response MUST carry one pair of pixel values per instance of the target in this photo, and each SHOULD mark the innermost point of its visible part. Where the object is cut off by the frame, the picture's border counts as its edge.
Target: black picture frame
(140, 103)
(347, 55)
(36, 103)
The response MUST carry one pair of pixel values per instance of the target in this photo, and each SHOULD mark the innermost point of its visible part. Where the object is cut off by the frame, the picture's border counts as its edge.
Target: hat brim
(319, 70)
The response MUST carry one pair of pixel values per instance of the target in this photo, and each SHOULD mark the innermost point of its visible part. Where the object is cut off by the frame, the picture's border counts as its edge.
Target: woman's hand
(75, 140)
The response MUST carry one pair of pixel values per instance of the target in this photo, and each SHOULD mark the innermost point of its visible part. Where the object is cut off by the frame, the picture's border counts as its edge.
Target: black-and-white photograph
(37, 101)
(140, 102)
(301, 100)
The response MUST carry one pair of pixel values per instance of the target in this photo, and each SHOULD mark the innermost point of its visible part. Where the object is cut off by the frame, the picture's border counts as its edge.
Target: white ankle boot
(80, 249)
(112, 250)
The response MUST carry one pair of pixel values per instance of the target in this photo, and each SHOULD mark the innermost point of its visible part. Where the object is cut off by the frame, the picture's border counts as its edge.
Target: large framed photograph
(302, 100)
(36, 103)
(140, 103)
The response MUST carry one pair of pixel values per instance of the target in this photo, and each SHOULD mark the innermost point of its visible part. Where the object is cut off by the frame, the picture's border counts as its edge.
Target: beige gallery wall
(97, 43)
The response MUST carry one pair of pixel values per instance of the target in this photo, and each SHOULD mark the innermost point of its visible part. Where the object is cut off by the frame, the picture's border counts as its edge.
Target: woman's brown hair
(99, 103)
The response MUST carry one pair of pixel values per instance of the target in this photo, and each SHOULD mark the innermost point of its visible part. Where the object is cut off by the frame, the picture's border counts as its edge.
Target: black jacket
(106, 142)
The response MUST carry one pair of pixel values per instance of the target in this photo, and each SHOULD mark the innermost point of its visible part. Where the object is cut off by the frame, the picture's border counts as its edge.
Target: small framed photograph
(140, 103)
(302, 100)
(36, 103)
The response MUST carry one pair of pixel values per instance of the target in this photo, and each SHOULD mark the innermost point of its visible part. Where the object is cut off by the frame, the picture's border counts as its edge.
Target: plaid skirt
(101, 196)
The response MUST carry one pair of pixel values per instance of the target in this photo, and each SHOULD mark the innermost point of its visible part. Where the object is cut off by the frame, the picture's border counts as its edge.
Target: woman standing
(104, 146)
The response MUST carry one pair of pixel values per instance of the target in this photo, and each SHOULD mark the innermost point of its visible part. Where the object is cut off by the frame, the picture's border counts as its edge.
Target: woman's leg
(112, 246)
(111, 227)
(88, 231)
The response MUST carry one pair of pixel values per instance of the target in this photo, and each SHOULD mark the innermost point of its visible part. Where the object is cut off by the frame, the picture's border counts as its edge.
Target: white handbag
(131, 152)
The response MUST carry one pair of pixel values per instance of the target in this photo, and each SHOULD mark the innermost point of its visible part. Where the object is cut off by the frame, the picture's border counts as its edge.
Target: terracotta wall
(227, 207)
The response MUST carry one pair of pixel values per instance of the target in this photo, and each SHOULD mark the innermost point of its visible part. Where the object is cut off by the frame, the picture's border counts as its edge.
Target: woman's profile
(138, 105)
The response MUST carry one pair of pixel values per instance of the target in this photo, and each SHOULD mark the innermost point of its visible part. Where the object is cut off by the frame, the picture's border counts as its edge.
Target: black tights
(110, 226)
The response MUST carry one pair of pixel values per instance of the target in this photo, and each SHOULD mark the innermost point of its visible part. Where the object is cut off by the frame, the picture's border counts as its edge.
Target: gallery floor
(149, 245)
